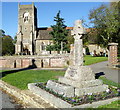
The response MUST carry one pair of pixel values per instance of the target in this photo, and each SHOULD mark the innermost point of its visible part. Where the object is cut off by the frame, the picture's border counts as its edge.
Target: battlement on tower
(27, 6)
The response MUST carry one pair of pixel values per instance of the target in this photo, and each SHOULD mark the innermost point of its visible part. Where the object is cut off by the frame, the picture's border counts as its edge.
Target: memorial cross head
(78, 29)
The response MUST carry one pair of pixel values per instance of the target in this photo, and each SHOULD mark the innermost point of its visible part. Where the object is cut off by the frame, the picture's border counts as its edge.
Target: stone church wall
(33, 61)
(39, 45)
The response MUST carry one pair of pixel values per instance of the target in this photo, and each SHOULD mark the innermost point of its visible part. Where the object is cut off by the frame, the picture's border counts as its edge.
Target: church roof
(43, 34)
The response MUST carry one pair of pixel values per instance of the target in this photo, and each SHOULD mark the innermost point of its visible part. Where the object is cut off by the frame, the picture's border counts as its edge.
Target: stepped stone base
(80, 84)
(60, 88)
(70, 91)
(59, 103)
(77, 81)
(94, 89)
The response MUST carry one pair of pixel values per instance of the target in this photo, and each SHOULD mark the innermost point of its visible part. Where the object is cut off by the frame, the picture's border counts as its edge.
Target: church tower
(27, 27)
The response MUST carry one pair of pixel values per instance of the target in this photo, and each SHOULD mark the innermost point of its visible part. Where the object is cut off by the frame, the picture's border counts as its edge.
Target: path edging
(21, 95)
(34, 101)
(59, 103)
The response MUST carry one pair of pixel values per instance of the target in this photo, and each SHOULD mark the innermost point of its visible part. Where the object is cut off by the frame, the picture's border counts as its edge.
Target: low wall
(34, 61)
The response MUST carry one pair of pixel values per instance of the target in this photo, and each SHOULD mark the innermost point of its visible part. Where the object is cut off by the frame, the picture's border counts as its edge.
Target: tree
(106, 23)
(59, 34)
(2, 32)
(7, 45)
(15, 40)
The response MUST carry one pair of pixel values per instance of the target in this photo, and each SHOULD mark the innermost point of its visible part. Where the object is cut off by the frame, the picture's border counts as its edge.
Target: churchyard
(63, 67)
(75, 87)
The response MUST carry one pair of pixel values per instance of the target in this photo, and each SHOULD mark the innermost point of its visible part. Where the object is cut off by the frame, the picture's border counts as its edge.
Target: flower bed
(89, 98)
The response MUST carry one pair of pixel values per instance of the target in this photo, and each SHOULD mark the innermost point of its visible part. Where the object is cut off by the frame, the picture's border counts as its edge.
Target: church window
(42, 46)
(26, 17)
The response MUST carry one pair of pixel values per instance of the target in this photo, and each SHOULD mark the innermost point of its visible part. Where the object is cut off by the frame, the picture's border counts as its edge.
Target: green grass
(22, 78)
(91, 60)
(114, 104)
(109, 82)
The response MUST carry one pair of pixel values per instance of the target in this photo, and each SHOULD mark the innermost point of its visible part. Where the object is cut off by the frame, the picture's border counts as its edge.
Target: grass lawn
(22, 78)
(109, 82)
(115, 104)
(91, 60)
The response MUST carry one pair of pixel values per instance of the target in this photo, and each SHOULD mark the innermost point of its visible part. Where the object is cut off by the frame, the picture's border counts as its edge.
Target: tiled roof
(43, 33)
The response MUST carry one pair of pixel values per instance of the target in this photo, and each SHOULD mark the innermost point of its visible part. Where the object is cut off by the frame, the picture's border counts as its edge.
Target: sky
(46, 11)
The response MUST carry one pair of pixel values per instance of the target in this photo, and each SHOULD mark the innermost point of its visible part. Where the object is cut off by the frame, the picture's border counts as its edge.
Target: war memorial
(79, 87)
(78, 80)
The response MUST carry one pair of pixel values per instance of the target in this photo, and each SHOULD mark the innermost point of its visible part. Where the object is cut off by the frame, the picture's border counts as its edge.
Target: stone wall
(95, 47)
(57, 61)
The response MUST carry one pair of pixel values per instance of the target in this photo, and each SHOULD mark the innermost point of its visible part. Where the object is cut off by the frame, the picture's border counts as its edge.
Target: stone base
(71, 91)
(59, 103)
(89, 90)
(79, 73)
(81, 84)
(60, 88)
(78, 81)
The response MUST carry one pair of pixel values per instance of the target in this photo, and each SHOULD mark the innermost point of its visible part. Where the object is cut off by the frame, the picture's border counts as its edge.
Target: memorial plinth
(78, 79)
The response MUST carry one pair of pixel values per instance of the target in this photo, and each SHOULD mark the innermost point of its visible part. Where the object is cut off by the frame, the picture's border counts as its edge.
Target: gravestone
(78, 79)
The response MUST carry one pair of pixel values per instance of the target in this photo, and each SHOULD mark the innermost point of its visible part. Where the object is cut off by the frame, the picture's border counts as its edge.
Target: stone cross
(78, 79)
(77, 32)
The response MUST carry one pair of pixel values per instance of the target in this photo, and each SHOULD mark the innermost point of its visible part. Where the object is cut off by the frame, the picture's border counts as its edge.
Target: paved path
(110, 73)
(8, 102)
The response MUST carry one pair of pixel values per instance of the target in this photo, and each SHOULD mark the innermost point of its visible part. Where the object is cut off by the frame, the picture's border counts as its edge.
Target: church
(31, 40)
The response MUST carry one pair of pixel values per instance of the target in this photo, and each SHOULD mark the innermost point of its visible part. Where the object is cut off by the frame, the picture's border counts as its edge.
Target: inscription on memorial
(72, 72)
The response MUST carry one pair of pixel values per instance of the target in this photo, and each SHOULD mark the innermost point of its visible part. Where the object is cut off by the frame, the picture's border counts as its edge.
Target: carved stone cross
(78, 29)
(77, 32)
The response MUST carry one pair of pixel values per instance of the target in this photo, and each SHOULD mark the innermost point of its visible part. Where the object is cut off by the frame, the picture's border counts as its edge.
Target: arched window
(26, 17)
(42, 46)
